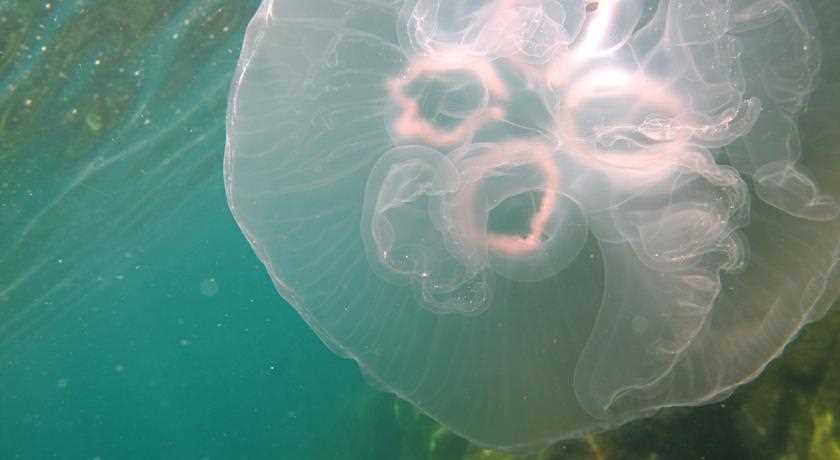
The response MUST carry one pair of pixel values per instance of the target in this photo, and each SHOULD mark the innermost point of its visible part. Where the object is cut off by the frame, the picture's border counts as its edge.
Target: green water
(136, 322)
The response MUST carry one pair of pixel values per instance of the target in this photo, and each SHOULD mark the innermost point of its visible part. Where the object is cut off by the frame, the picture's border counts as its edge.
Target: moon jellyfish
(537, 219)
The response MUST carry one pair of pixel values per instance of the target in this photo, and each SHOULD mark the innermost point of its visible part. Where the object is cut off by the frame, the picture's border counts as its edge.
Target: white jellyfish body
(536, 219)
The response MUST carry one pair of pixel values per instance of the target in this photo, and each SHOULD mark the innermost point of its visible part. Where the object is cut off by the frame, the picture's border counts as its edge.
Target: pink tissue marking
(410, 124)
(670, 139)
(541, 158)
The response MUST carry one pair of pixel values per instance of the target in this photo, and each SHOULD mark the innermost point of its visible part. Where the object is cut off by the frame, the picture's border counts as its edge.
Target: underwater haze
(136, 321)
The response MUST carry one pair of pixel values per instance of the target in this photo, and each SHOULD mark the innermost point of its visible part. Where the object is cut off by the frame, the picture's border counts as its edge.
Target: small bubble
(93, 121)
(640, 324)
(209, 287)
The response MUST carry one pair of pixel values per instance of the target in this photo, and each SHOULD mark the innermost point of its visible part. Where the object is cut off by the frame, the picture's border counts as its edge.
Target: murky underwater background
(135, 321)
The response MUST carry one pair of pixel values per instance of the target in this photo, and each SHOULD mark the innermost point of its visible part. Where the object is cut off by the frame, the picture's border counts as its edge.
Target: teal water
(135, 320)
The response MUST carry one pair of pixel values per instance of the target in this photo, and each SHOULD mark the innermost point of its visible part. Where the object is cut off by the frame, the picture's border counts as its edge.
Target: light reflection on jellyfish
(536, 219)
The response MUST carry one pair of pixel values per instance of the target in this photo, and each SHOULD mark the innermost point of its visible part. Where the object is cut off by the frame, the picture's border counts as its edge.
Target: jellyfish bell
(538, 219)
